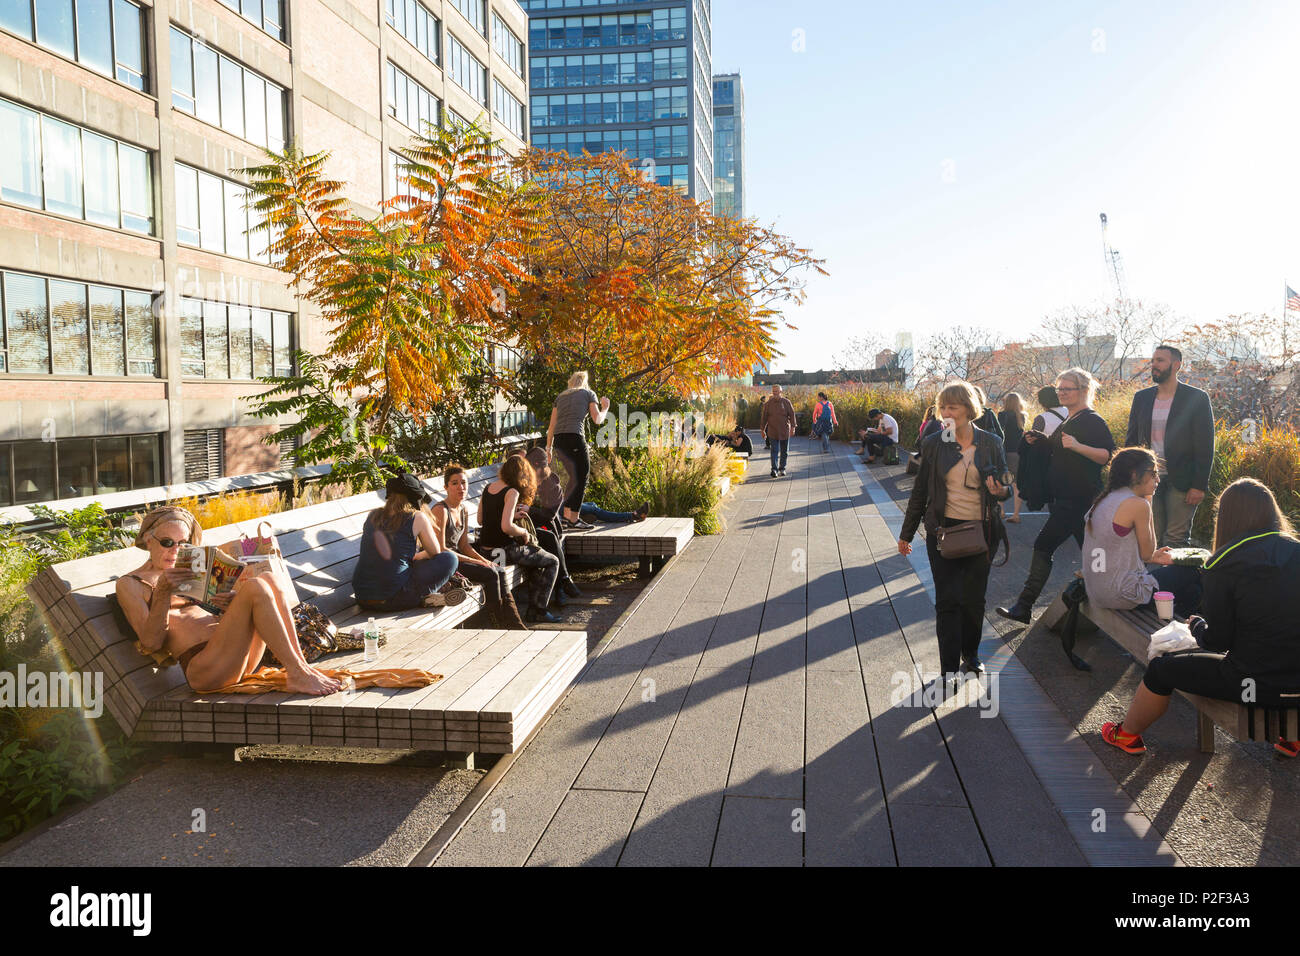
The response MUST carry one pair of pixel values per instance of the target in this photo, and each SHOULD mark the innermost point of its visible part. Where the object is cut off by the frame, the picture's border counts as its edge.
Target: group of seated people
(1248, 650)
(735, 439)
(413, 553)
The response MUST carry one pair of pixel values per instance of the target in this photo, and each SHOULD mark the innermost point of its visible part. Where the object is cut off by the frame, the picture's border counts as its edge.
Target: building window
(507, 109)
(410, 103)
(266, 15)
(205, 454)
(472, 10)
(219, 91)
(223, 341)
(418, 25)
(69, 328)
(105, 35)
(33, 471)
(507, 46)
(211, 214)
(606, 30)
(466, 71)
(68, 170)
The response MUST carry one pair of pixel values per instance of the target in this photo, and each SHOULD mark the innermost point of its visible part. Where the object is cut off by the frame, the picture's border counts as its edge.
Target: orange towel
(266, 679)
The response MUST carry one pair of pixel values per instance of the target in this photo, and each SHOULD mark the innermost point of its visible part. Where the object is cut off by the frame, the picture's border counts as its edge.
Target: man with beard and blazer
(1176, 422)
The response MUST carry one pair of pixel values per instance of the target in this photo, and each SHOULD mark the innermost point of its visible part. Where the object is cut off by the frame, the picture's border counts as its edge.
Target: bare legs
(1146, 709)
(256, 618)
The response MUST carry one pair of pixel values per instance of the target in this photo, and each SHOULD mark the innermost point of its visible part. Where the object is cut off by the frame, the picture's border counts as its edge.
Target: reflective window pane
(128, 34)
(100, 155)
(137, 189)
(182, 71)
(252, 10)
(141, 335)
(27, 323)
(69, 328)
(255, 109)
(187, 205)
(20, 160)
(212, 220)
(76, 467)
(207, 95)
(16, 17)
(33, 471)
(241, 343)
(95, 35)
(54, 26)
(214, 340)
(275, 131)
(61, 153)
(145, 471)
(262, 355)
(112, 466)
(107, 332)
(232, 97)
(283, 344)
(236, 221)
(191, 315)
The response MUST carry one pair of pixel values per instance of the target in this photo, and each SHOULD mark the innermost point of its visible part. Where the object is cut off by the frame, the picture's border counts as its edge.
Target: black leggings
(1065, 520)
(492, 578)
(572, 449)
(959, 588)
(552, 543)
(1211, 674)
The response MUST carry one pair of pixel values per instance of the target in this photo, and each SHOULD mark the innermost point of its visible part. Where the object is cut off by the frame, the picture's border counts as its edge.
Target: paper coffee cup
(1165, 605)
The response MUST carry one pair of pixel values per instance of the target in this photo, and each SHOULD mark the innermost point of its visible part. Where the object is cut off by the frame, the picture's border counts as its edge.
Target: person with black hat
(403, 563)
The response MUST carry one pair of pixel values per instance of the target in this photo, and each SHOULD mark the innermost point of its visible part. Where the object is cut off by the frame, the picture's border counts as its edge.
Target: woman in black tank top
(502, 539)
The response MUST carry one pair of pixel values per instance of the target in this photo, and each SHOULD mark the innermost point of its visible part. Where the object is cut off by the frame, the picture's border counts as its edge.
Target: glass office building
(620, 75)
(728, 146)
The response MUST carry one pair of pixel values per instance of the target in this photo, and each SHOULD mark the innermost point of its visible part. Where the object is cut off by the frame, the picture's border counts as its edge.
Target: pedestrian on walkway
(824, 420)
(1013, 420)
(989, 419)
(762, 404)
(778, 425)
(1176, 421)
(956, 495)
(565, 437)
(1246, 628)
(1080, 448)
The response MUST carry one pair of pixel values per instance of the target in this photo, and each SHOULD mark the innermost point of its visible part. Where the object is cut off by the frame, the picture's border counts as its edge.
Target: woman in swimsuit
(214, 650)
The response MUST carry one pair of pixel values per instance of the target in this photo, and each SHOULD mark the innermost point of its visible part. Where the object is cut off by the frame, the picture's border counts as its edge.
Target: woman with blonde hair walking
(564, 437)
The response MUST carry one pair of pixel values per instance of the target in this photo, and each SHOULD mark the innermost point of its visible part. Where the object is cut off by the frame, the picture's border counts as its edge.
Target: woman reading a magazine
(216, 645)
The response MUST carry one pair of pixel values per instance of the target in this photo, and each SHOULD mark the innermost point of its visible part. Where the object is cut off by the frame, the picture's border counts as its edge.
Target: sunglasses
(168, 542)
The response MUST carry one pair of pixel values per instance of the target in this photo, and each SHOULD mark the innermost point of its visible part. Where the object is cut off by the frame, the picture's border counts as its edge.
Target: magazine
(214, 571)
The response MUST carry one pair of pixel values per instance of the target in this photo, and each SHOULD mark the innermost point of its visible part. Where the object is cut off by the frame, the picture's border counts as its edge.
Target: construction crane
(1114, 267)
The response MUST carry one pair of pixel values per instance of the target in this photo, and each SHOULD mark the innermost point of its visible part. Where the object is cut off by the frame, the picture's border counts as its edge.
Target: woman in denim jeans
(403, 563)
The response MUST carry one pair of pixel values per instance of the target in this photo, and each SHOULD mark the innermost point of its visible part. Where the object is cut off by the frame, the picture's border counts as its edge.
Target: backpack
(1031, 476)
(825, 420)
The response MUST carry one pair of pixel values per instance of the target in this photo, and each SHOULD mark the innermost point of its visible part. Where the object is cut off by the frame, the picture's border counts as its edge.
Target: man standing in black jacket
(1176, 422)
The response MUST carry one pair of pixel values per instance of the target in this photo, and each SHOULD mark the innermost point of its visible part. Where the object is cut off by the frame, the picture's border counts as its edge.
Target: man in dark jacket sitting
(1175, 421)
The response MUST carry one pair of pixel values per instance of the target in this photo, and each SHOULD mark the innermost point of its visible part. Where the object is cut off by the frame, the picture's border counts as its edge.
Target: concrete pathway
(764, 704)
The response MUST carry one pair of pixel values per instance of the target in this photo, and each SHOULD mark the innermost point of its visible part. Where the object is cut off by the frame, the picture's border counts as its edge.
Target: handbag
(962, 540)
(525, 522)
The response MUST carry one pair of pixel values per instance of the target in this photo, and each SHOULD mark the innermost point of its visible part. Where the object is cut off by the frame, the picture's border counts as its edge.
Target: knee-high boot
(1040, 569)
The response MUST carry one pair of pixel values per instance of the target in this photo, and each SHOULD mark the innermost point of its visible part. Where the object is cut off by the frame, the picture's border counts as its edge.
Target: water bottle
(372, 641)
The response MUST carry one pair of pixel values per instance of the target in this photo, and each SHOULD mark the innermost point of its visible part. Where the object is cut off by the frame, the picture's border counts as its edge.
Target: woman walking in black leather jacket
(961, 480)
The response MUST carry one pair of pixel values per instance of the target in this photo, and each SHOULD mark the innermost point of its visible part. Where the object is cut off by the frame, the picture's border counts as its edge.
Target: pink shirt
(1159, 419)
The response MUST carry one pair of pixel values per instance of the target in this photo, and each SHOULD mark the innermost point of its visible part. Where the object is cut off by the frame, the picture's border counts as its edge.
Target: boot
(1040, 569)
(508, 613)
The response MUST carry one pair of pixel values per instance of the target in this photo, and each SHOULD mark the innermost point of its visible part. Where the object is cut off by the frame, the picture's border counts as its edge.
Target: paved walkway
(754, 709)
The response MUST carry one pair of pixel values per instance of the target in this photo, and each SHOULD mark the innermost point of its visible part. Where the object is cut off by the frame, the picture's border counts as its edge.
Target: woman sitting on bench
(403, 564)
(216, 645)
(1248, 647)
(1119, 540)
(509, 495)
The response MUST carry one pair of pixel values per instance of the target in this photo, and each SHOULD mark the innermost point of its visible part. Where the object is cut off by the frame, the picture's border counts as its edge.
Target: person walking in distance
(1080, 448)
(1013, 420)
(778, 425)
(960, 483)
(767, 442)
(824, 421)
(1176, 421)
(565, 437)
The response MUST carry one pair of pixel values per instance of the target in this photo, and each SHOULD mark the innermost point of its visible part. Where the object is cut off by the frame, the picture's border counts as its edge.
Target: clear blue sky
(950, 159)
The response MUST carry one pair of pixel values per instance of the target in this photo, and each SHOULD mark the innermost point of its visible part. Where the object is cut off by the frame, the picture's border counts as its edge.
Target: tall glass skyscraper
(629, 75)
(728, 146)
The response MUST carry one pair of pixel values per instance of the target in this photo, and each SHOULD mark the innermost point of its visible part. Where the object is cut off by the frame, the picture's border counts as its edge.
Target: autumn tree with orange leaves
(640, 279)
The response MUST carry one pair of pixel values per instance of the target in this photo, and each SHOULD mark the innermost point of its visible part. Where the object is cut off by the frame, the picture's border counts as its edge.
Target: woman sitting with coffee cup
(1119, 540)
(1246, 630)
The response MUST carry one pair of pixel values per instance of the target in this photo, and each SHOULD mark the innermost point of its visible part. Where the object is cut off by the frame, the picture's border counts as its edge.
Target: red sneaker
(1287, 748)
(1114, 735)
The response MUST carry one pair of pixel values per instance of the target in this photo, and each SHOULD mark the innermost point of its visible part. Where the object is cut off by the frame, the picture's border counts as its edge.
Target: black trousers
(552, 543)
(1065, 520)
(959, 588)
(493, 580)
(572, 449)
(1210, 674)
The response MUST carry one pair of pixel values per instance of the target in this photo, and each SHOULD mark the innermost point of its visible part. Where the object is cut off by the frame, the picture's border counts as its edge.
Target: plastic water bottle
(372, 641)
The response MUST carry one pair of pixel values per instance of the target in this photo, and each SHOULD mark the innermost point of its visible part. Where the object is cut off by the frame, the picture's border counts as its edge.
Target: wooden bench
(1132, 631)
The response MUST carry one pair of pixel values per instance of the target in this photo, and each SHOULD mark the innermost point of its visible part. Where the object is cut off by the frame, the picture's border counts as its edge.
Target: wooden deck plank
(468, 704)
(517, 693)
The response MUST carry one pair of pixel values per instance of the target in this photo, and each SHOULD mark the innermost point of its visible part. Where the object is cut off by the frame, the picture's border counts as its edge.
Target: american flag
(1292, 299)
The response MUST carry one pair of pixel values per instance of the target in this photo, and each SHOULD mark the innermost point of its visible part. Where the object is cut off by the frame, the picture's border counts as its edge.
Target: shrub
(676, 484)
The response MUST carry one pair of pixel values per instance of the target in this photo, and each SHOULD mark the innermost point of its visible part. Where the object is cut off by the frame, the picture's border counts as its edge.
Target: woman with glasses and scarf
(960, 482)
(1080, 448)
